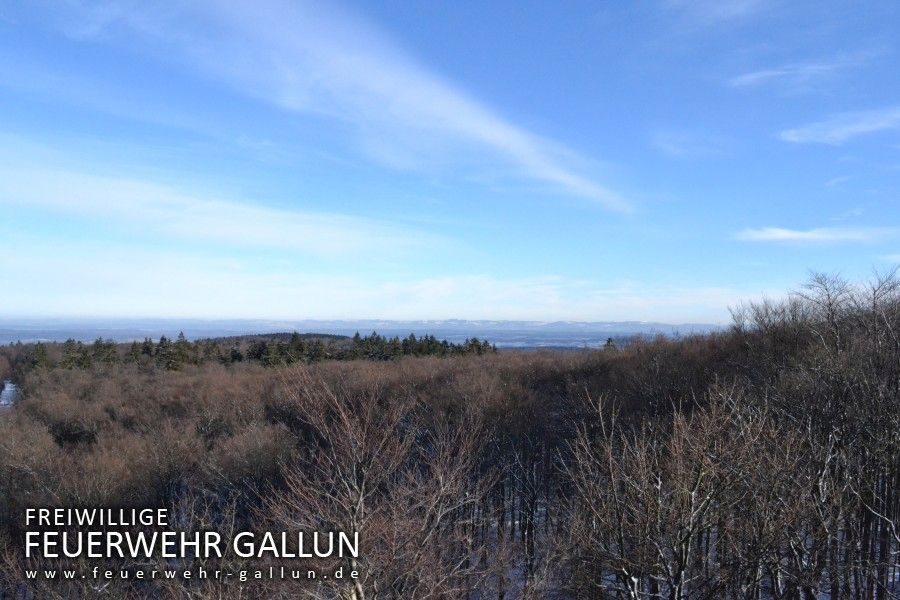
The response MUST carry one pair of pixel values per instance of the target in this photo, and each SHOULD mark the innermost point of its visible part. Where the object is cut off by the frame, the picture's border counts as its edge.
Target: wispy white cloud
(106, 280)
(145, 208)
(817, 235)
(312, 57)
(845, 126)
(837, 180)
(555, 297)
(803, 76)
(128, 247)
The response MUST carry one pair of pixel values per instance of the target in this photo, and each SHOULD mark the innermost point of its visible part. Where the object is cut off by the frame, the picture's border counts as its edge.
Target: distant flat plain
(505, 334)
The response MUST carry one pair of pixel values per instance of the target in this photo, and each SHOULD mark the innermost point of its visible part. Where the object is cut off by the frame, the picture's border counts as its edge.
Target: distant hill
(281, 336)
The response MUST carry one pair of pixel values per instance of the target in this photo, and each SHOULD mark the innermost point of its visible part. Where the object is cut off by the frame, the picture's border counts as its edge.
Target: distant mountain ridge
(505, 334)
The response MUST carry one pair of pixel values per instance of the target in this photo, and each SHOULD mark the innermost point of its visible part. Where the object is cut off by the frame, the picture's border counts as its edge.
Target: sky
(657, 160)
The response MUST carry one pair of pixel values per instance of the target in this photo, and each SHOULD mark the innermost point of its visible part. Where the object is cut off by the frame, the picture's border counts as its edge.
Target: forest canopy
(762, 461)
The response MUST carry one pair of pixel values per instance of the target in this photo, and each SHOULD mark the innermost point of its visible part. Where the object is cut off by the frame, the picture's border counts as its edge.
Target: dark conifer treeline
(271, 351)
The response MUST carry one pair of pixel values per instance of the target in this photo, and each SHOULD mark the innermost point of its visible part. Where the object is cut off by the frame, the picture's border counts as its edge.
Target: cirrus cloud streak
(816, 235)
(840, 128)
(313, 58)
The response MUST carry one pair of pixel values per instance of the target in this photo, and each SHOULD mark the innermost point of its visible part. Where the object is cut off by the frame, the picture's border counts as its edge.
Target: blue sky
(655, 160)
